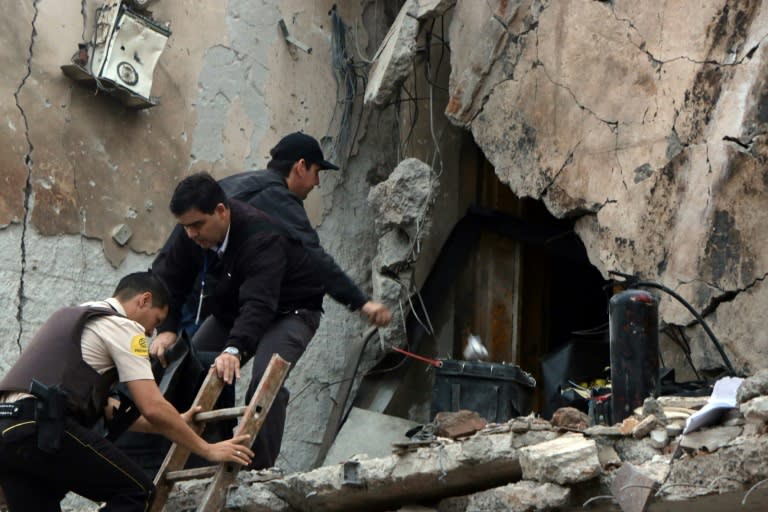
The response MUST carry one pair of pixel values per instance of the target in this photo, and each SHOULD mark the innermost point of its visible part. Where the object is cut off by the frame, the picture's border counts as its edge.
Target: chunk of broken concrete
(394, 59)
(526, 423)
(565, 460)
(643, 428)
(755, 410)
(121, 234)
(674, 429)
(458, 424)
(518, 497)
(683, 402)
(604, 430)
(710, 439)
(403, 199)
(607, 456)
(652, 407)
(628, 425)
(659, 437)
(634, 451)
(754, 386)
(631, 488)
(570, 418)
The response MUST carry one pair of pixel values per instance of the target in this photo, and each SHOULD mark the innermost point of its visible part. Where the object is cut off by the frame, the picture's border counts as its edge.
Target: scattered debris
(526, 463)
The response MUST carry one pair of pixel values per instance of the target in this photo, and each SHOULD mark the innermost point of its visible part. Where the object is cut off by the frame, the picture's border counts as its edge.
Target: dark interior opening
(513, 273)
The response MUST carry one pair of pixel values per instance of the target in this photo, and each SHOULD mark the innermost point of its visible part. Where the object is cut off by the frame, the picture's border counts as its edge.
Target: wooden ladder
(224, 474)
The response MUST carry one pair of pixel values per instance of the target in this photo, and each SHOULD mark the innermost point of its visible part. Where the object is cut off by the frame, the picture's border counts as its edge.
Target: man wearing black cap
(280, 191)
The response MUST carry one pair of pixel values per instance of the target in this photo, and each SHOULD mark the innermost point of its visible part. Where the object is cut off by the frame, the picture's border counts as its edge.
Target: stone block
(568, 459)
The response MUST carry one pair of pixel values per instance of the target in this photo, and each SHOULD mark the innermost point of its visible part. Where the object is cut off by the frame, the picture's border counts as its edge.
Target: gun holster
(50, 415)
(122, 417)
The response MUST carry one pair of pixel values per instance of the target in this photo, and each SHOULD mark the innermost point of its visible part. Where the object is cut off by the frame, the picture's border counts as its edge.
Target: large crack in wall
(28, 161)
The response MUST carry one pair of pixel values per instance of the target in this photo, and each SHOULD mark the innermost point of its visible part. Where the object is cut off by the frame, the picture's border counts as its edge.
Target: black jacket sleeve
(283, 204)
(177, 264)
(260, 267)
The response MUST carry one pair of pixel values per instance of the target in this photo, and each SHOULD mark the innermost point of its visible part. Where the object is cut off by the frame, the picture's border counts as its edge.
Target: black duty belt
(24, 408)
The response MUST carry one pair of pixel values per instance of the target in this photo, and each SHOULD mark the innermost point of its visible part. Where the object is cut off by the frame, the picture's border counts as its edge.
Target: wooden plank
(220, 414)
(178, 455)
(190, 474)
(215, 496)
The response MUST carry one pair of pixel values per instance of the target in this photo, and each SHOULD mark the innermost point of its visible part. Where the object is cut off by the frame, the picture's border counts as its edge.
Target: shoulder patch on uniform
(139, 345)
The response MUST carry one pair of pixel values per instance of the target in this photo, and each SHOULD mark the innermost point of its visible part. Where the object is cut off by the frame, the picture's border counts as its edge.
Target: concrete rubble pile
(458, 463)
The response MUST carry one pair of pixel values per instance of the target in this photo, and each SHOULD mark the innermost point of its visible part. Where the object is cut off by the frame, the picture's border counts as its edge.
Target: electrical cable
(683, 345)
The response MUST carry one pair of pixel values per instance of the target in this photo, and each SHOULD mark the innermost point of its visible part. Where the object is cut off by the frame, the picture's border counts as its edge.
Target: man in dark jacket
(260, 287)
(280, 191)
(47, 446)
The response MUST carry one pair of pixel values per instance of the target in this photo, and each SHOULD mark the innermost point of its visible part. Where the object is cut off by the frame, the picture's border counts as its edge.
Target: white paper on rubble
(723, 397)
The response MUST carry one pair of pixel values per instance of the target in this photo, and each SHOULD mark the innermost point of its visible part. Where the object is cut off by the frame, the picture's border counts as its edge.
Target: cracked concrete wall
(646, 124)
(76, 163)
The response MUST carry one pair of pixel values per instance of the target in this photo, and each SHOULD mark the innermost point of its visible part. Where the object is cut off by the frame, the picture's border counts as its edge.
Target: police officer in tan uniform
(59, 389)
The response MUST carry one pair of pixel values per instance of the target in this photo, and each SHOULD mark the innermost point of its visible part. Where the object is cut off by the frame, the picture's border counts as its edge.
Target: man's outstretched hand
(160, 345)
(378, 314)
(231, 450)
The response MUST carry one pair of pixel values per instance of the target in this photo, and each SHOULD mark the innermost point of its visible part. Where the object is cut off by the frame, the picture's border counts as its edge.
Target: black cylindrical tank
(634, 339)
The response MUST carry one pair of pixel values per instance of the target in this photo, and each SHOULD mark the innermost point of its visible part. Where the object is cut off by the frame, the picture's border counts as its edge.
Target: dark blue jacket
(267, 191)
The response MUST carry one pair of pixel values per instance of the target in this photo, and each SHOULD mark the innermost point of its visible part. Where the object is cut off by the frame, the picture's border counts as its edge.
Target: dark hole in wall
(510, 272)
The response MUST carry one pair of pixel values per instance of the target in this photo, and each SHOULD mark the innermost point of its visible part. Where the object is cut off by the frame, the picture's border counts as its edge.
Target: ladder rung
(190, 474)
(220, 414)
(263, 475)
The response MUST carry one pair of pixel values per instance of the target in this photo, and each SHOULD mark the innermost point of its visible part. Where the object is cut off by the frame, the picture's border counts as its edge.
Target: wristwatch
(233, 351)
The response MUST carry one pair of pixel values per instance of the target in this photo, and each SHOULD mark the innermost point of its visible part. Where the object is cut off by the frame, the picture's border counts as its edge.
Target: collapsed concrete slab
(518, 497)
(448, 469)
(427, 473)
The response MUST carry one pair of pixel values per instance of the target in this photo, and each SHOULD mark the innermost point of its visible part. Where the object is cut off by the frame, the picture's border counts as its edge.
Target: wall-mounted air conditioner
(122, 54)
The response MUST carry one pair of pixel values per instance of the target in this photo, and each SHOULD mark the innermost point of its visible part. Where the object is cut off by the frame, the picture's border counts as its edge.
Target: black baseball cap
(297, 145)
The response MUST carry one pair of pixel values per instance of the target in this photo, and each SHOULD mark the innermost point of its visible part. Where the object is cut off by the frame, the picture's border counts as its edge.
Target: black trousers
(87, 464)
(288, 335)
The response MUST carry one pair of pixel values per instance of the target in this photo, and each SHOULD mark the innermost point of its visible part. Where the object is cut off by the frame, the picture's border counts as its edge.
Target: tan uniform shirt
(111, 341)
